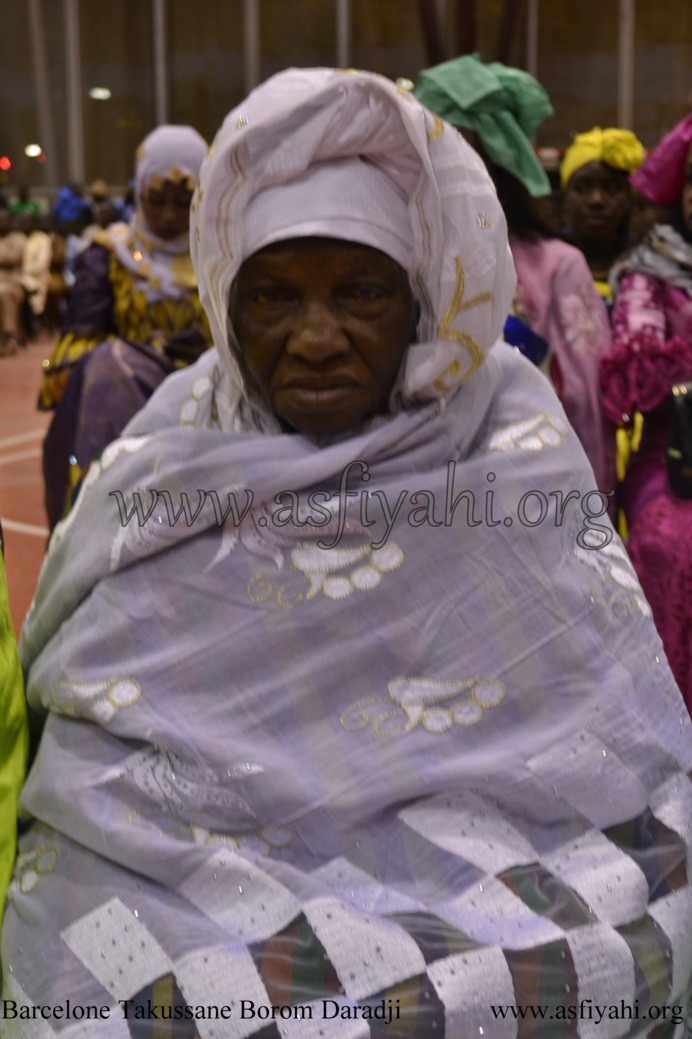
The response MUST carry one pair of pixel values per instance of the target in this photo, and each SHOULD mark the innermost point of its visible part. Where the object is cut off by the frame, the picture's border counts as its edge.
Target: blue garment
(70, 206)
(529, 343)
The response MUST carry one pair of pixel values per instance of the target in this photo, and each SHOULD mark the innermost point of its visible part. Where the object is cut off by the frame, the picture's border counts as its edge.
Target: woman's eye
(269, 297)
(364, 292)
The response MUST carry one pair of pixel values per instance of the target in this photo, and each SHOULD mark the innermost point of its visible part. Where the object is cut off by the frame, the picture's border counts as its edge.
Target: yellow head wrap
(618, 148)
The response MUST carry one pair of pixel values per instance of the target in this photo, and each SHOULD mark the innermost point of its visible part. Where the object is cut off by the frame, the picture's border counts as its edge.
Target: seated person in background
(556, 319)
(311, 760)
(24, 203)
(104, 209)
(12, 294)
(133, 315)
(38, 252)
(652, 352)
(599, 199)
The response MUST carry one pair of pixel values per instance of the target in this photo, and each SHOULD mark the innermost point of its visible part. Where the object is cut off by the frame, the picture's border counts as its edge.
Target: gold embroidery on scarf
(196, 199)
(531, 434)
(99, 701)
(435, 705)
(319, 570)
(263, 588)
(190, 408)
(30, 867)
(616, 587)
(445, 331)
(436, 131)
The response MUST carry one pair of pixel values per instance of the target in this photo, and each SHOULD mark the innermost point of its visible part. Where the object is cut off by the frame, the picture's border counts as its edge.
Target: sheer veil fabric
(438, 766)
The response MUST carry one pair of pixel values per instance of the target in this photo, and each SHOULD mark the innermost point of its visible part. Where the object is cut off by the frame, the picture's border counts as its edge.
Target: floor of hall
(22, 512)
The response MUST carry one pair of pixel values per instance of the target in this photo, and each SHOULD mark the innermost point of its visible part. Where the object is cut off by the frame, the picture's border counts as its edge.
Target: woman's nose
(317, 334)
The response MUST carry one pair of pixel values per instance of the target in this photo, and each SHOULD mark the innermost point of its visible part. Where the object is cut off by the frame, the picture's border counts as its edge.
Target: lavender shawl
(444, 765)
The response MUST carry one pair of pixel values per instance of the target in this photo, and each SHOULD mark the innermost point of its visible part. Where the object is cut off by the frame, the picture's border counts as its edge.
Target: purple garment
(652, 332)
(106, 389)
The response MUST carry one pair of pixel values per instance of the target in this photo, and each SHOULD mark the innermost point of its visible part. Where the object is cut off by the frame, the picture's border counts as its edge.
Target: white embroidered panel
(359, 889)
(117, 949)
(220, 977)
(469, 826)
(605, 969)
(673, 914)
(468, 983)
(609, 881)
(247, 902)
(493, 915)
(368, 953)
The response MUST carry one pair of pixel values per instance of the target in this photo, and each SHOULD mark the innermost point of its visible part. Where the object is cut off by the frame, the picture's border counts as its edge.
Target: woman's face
(597, 201)
(323, 325)
(166, 208)
(687, 192)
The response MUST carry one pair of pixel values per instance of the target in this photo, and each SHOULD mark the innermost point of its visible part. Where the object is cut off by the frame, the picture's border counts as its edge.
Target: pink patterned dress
(652, 334)
(556, 297)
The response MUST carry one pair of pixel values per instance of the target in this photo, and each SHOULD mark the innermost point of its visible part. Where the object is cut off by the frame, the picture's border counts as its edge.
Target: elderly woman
(556, 319)
(359, 746)
(598, 197)
(134, 315)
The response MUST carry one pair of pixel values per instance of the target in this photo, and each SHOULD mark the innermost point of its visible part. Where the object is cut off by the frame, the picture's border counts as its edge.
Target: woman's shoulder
(549, 257)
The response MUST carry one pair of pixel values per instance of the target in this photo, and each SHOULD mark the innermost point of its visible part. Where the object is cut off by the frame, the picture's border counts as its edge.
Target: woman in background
(652, 352)
(133, 315)
(557, 320)
(599, 198)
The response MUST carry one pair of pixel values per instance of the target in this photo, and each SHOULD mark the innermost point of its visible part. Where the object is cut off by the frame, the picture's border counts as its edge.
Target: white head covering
(161, 268)
(458, 260)
(347, 198)
(169, 153)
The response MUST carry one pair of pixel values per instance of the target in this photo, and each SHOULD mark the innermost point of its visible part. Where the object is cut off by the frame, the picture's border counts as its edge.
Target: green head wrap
(503, 106)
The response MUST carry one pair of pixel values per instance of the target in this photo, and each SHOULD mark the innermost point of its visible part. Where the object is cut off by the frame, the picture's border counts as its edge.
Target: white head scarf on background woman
(161, 268)
(437, 767)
